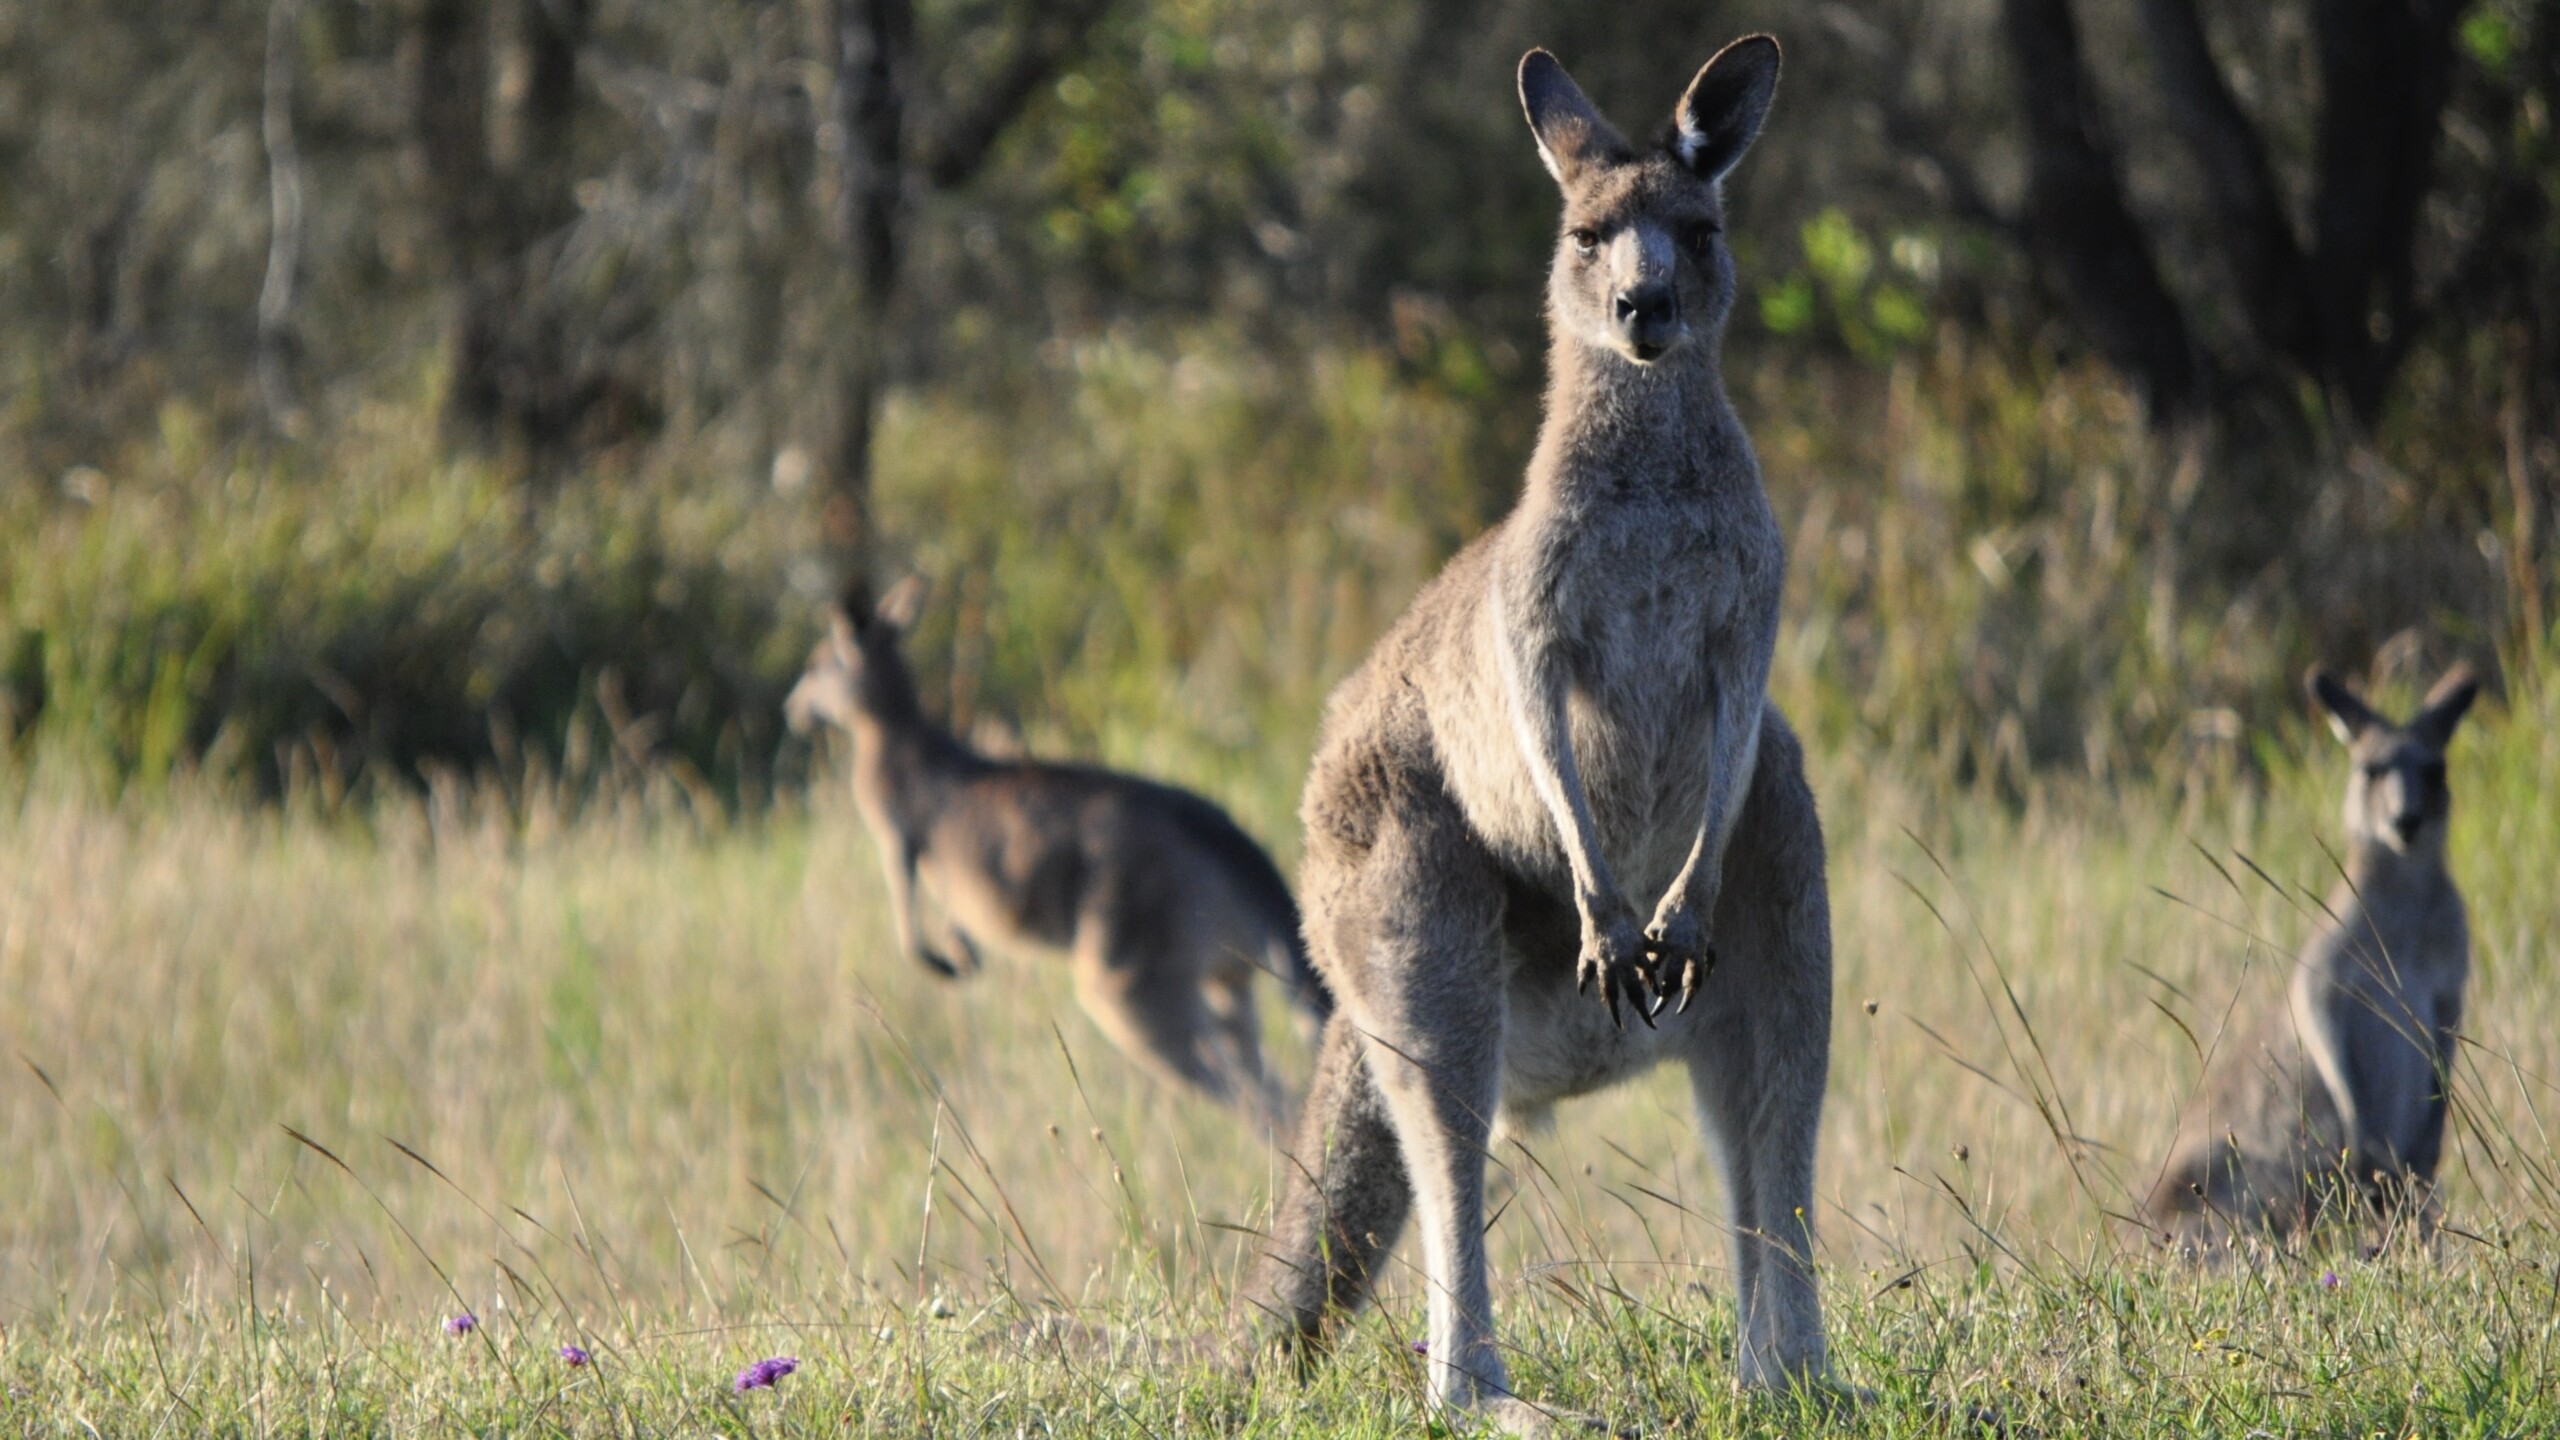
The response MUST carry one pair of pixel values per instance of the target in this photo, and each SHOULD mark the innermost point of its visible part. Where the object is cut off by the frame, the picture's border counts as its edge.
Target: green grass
(607, 1066)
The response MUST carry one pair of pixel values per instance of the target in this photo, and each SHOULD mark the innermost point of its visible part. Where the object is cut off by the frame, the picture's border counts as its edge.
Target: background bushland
(437, 383)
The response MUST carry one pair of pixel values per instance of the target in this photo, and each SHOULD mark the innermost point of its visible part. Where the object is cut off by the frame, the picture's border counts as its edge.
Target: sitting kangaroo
(1569, 718)
(1166, 908)
(2345, 1087)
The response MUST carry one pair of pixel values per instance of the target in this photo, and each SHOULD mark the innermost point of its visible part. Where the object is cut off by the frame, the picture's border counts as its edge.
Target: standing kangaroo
(1165, 907)
(2345, 1088)
(1569, 718)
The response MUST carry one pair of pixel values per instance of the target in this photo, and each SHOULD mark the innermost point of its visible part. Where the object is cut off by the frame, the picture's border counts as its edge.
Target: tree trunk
(874, 41)
(2386, 70)
(2082, 234)
(277, 341)
(493, 109)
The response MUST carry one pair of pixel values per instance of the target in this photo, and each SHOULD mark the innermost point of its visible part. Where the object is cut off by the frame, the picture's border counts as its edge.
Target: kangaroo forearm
(1735, 755)
(898, 864)
(1535, 694)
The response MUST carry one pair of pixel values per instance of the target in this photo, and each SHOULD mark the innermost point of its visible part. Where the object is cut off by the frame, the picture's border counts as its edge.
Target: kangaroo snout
(800, 710)
(1648, 318)
(2406, 825)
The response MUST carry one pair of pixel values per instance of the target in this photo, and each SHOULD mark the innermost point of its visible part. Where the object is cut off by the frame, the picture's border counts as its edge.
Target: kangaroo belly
(1558, 1043)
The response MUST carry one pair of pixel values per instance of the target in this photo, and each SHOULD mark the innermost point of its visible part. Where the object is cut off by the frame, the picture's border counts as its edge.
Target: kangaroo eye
(1698, 238)
(1585, 240)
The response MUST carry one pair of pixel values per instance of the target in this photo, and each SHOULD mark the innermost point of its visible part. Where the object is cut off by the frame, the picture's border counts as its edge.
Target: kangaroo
(2343, 1091)
(1570, 715)
(1165, 907)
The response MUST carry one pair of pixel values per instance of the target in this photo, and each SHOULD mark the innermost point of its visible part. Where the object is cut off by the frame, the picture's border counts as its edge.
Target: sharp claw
(1582, 980)
(1688, 987)
(1609, 991)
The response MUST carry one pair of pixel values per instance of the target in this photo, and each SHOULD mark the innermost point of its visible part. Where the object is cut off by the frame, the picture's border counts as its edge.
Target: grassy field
(291, 1085)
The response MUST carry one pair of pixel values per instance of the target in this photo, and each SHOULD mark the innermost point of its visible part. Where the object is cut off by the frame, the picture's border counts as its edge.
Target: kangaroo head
(1641, 269)
(857, 670)
(2396, 794)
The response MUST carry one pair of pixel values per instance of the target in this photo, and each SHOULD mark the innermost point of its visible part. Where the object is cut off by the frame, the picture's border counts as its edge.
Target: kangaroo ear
(2446, 705)
(1720, 116)
(840, 634)
(900, 608)
(1572, 137)
(2348, 716)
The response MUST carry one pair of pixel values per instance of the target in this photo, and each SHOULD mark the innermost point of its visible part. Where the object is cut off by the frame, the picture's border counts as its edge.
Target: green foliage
(1874, 318)
(376, 606)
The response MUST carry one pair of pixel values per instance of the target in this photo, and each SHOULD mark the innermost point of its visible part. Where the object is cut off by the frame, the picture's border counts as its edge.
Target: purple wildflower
(462, 1324)
(1421, 1347)
(576, 1355)
(762, 1374)
(2328, 1279)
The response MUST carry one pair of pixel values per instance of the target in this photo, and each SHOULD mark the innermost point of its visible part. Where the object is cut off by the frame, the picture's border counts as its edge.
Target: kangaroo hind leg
(1413, 927)
(1228, 994)
(1758, 1063)
(1143, 988)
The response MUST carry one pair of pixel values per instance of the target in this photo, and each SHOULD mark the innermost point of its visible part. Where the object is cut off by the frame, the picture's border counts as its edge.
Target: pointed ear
(904, 602)
(840, 631)
(2348, 716)
(2446, 705)
(1720, 116)
(1572, 137)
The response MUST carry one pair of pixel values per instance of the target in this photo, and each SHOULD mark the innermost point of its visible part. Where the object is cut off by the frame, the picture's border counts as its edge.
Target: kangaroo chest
(2392, 951)
(1650, 608)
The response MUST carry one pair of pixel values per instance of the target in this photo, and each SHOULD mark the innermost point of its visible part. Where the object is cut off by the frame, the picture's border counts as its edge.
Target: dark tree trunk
(887, 157)
(2386, 69)
(2077, 225)
(2240, 188)
(2341, 310)
(874, 47)
(493, 111)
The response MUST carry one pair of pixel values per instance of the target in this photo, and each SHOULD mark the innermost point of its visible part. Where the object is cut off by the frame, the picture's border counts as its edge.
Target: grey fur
(1165, 907)
(1575, 704)
(2343, 1091)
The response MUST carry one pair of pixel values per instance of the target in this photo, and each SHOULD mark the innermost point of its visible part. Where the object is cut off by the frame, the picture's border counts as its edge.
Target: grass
(290, 1084)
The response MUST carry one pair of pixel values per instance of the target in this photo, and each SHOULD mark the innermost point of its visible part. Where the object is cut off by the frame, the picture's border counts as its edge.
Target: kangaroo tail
(1251, 869)
(1306, 987)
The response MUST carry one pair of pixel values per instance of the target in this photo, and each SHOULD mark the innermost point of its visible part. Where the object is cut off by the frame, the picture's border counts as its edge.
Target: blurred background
(429, 430)
(401, 387)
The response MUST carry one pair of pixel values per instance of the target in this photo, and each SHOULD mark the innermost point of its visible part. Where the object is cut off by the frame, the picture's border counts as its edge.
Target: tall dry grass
(409, 1054)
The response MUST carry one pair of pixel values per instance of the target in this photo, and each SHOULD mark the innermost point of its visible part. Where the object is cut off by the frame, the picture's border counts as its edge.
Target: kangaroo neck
(1612, 423)
(2374, 868)
(905, 766)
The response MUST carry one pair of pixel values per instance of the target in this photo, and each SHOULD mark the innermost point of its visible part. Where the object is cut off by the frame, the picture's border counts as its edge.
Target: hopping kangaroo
(2343, 1091)
(1571, 719)
(1166, 908)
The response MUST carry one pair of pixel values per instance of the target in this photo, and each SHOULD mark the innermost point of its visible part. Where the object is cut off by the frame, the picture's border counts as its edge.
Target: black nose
(2407, 825)
(1647, 314)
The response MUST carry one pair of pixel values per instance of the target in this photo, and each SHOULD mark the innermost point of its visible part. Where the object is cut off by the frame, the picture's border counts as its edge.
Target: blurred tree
(493, 104)
(891, 140)
(2334, 300)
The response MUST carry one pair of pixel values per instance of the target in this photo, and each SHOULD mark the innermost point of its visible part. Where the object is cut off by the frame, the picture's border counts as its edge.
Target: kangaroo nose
(1647, 314)
(1644, 302)
(2407, 825)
